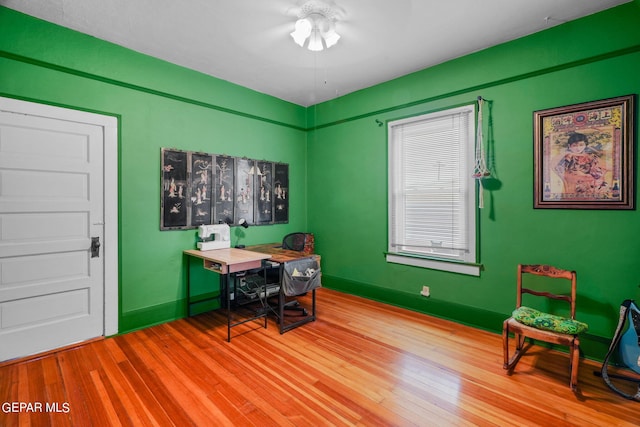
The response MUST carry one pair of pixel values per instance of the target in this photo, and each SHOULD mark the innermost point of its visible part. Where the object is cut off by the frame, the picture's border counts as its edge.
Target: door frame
(109, 247)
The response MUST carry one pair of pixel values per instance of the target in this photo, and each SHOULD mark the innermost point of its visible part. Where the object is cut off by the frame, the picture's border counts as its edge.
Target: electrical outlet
(425, 291)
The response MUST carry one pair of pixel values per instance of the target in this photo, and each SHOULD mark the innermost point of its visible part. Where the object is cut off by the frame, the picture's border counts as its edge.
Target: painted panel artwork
(281, 193)
(584, 156)
(245, 185)
(174, 189)
(224, 189)
(200, 190)
(264, 192)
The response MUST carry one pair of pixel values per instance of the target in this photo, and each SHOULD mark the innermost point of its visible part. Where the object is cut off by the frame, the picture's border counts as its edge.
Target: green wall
(158, 105)
(338, 158)
(593, 58)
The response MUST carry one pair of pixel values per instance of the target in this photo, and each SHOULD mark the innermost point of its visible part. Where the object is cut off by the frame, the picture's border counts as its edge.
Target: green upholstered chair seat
(548, 322)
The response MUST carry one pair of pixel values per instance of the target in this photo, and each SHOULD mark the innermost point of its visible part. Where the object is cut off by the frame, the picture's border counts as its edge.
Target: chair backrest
(294, 241)
(551, 272)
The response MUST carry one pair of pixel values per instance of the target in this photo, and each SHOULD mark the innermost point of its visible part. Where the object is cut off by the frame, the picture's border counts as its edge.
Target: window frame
(452, 262)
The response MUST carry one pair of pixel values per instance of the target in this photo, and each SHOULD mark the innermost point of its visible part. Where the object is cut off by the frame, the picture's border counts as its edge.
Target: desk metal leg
(226, 285)
(228, 298)
(188, 298)
(265, 302)
(281, 299)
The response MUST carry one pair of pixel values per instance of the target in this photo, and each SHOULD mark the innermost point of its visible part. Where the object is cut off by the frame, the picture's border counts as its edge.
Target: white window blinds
(431, 188)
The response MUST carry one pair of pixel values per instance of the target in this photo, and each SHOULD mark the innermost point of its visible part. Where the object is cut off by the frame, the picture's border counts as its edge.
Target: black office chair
(295, 242)
(299, 242)
(299, 276)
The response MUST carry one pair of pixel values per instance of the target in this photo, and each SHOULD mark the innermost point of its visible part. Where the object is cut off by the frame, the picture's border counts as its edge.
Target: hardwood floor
(361, 363)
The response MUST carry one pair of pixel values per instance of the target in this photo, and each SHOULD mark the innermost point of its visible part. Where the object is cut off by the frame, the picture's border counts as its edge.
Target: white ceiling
(247, 42)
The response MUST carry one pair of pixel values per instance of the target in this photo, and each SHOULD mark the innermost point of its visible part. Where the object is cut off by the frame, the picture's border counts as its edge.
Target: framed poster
(224, 189)
(280, 193)
(244, 195)
(583, 155)
(200, 189)
(174, 189)
(264, 192)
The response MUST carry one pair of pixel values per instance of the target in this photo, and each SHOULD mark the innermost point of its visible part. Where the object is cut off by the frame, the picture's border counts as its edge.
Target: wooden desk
(230, 260)
(224, 262)
(278, 254)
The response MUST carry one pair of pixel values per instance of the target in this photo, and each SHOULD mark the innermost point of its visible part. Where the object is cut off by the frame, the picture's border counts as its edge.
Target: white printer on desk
(214, 236)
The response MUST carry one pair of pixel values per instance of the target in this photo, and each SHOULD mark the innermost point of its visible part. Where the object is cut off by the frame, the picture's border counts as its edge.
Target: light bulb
(331, 38)
(315, 43)
(302, 31)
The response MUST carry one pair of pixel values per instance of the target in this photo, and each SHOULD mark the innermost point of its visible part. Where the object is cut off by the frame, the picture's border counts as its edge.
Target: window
(432, 215)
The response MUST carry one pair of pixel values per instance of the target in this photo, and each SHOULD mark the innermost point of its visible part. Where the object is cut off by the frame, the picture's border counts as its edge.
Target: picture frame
(584, 155)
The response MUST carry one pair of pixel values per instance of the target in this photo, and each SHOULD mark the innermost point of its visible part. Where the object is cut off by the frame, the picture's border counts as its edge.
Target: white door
(51, 209)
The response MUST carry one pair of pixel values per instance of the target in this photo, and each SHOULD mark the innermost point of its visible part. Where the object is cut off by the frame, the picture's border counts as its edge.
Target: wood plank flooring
(360, 364)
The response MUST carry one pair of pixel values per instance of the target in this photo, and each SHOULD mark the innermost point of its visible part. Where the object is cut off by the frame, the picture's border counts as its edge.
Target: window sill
(451, 266)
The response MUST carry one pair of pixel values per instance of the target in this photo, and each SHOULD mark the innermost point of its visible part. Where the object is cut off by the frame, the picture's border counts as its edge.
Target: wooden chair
(527, 322)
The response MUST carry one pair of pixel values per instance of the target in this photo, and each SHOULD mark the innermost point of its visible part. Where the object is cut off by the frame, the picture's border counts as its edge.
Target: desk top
(278, 254)
(228, 256)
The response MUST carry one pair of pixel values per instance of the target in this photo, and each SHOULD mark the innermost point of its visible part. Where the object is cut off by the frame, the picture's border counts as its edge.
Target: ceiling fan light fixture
(331, 38)
(302, 31)
(315, 41)
(316, 22)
